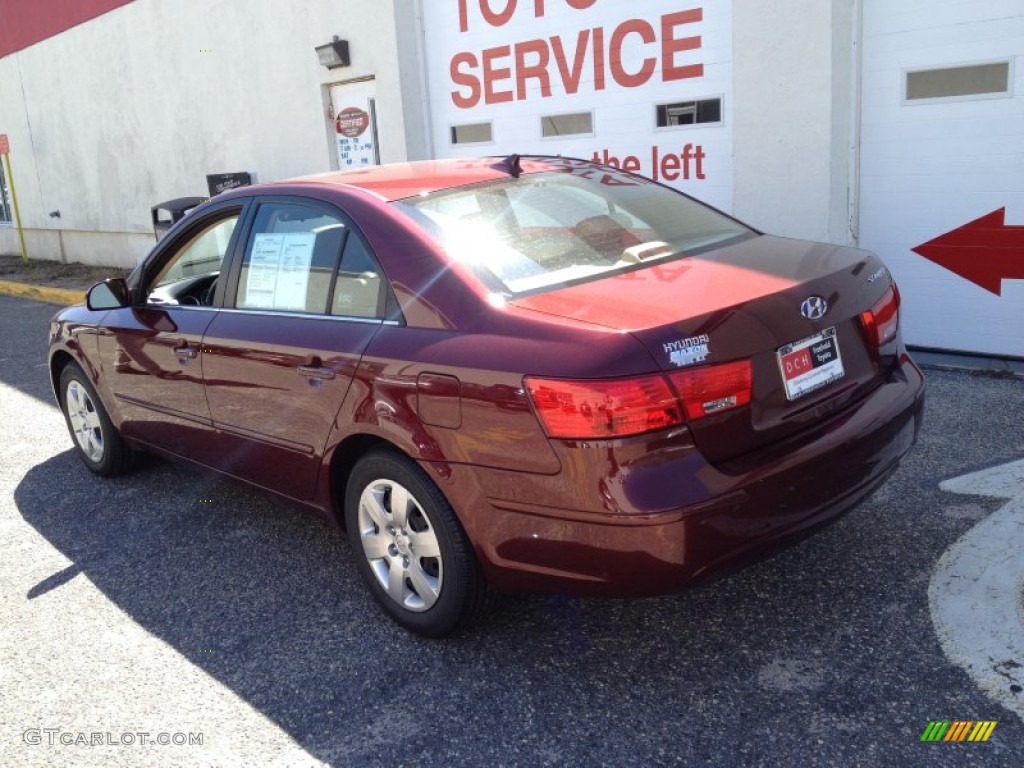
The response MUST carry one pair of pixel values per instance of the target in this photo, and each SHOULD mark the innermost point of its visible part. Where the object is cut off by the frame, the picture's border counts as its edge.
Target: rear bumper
(616, 537)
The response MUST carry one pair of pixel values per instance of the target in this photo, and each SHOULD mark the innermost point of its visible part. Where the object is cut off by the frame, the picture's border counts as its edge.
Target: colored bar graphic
(935, 731)
(982, 730)
(958, 730)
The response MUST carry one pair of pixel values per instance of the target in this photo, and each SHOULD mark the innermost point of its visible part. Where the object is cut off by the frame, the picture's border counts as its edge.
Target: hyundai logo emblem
(814, 307)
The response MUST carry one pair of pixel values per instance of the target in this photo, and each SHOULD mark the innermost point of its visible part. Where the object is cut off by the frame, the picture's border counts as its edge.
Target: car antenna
(511, 165)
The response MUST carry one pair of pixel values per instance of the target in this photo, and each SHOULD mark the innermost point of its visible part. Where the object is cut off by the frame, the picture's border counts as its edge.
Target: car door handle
(316, 371)
(187, 351)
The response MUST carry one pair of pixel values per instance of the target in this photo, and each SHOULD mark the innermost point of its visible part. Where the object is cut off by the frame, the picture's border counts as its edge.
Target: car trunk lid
(743, 302)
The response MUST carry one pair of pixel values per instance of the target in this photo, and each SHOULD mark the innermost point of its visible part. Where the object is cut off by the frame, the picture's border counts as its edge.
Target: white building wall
(493, 54)
(780, 159)
(793, 76)
(138, 105)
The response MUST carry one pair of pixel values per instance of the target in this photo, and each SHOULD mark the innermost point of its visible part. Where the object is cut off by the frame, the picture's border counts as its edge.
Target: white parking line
(976, 594)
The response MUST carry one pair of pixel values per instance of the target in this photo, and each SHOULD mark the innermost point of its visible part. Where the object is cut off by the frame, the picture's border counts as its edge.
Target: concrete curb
(42, 293)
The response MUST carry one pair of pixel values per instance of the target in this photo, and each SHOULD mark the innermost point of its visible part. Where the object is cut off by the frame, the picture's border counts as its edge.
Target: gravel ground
(54, 274)
(172, 601)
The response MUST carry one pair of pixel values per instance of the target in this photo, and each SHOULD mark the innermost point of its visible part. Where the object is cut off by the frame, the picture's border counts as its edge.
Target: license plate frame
(811, 363)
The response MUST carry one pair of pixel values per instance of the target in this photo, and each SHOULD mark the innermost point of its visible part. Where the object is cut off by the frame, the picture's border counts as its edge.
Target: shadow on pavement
(25, 369)
(273, 592)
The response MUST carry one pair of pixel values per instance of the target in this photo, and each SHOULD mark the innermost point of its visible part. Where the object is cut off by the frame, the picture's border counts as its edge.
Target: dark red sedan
(511, 374)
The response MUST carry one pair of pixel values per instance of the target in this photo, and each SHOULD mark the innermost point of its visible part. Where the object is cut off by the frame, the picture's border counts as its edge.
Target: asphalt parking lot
(172, 603)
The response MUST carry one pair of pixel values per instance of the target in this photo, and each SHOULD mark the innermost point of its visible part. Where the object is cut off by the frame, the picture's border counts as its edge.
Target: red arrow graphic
(984, 251)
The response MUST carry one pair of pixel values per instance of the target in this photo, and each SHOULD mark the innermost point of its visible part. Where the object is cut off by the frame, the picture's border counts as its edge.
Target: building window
(567, 125)
(977, 80)
(472, 133)
(5, 198)
(690, 113)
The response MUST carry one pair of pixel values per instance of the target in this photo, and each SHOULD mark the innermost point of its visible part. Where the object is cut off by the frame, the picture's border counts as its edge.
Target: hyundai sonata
(517, 374)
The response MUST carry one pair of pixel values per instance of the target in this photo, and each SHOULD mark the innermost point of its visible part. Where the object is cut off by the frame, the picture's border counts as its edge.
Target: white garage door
(942, 166)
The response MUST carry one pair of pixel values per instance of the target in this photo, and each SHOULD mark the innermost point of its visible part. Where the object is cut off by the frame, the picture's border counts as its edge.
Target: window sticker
(279, 271)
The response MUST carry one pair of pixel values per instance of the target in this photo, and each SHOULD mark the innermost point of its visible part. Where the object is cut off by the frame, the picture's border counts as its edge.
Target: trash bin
(170, 212)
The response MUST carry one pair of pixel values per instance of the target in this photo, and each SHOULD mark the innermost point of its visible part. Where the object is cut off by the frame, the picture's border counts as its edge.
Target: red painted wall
(26, 22)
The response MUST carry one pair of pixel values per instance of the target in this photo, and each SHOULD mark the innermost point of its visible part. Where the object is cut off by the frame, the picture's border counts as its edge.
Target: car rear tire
(410, 548)
(97, 442)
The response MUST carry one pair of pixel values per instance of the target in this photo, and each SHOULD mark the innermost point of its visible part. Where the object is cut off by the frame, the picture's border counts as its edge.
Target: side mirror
(110, 294)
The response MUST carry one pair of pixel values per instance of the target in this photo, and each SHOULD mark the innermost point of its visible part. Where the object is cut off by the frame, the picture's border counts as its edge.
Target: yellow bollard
(5, 152)
(14, 201)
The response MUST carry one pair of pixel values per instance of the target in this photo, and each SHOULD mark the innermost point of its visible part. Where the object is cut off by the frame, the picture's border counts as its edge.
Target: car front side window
(189, 276)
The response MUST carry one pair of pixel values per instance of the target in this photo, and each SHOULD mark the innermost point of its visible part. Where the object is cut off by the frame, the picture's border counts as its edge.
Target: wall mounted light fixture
(333, 54)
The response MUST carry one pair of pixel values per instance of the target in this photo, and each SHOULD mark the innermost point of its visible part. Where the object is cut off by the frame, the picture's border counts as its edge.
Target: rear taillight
(713, 389)
(882, 320)
(620, 407)
(604, 408)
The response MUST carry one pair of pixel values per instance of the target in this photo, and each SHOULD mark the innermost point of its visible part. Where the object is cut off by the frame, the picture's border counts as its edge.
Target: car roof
(399, 180)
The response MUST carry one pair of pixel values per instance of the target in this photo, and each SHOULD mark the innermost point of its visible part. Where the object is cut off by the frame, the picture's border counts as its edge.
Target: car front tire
(410, 548)
(98, 443)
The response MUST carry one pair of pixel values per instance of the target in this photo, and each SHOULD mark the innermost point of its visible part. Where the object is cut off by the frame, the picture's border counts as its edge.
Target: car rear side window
(359, 287)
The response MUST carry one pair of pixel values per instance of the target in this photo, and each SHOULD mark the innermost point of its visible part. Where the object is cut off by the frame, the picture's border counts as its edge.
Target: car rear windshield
(546, 230)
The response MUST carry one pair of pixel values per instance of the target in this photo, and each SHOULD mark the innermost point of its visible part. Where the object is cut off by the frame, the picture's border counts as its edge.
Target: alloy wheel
(400, 544)
(85, 421)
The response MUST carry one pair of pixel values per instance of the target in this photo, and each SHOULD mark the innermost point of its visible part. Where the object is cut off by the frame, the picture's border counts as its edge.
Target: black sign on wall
(222, 182)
